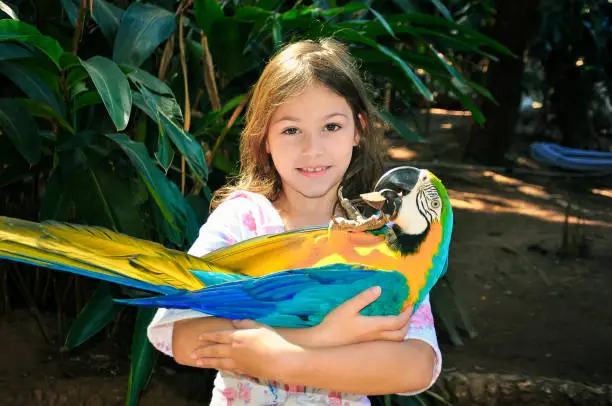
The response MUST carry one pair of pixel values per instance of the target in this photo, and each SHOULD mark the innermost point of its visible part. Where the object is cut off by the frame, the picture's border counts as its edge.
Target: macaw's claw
(371, 223)
(351, 211)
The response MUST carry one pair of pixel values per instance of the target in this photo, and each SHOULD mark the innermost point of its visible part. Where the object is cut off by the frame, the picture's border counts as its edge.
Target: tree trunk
(516, 23)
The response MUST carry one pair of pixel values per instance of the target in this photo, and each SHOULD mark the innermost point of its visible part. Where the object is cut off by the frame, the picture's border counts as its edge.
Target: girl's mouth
(313, 171)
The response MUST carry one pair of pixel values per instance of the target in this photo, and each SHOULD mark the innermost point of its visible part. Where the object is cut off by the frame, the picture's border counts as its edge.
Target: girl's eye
(290, 131)
(332, 127)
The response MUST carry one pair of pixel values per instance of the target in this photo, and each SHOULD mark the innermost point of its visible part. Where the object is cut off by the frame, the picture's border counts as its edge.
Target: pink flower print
(423, 317)
(295, 388)
(335, 398)
(244, 392)
(230, 395)
(249, 222)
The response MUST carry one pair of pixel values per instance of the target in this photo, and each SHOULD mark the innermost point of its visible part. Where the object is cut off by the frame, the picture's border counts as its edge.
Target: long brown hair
(291, 71)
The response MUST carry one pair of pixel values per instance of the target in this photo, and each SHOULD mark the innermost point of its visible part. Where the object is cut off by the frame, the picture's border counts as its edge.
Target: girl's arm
(375, 367)
(342, 326)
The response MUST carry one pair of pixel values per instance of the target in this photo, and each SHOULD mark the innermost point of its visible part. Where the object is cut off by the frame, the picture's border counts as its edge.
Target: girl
(309, 129)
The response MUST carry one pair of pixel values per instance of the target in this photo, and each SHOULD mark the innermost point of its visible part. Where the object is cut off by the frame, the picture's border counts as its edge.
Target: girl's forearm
(186, 332)
(372, 368)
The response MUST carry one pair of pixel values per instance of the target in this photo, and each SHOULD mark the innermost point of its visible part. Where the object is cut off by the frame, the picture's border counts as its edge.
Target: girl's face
(311, 139)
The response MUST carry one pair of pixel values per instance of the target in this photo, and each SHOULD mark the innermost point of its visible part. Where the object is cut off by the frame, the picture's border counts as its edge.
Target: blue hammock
(571, 158)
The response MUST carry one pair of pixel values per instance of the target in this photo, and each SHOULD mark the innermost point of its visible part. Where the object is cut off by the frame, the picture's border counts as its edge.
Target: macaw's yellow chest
(323, 247)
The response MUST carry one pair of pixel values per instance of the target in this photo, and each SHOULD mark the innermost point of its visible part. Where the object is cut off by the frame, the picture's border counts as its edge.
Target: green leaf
(20, 128)
(161, 189)
(442, 9)
(143, 28)
(86, 99)
(31, 84)
(221, 162)
(100, 310)
(107, 16)
(353, 35)
(113, 87)
(349, 8)
(383, 22)
(149, 81)
(251, 14)
(467, 101)
(144, 356)
(457, 30)
(72, 10)
(56, 203)
(13, 51)
(206, 13)
(400, 126)
(164, 153)
(11, 30)
(43, 110)
(188, 147)
(8, 10)
(277, 34)
(150, 103)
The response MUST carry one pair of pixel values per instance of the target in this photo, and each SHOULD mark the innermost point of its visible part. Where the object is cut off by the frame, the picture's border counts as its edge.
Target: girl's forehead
(315, 99)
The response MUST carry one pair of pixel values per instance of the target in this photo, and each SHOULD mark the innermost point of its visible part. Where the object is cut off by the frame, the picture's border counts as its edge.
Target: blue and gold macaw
(290, 279)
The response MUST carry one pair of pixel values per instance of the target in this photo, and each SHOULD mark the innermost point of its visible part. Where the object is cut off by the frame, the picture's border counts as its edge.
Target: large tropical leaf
(100, 310)
(32, 85)
(143, 28)
(19, 126)
(144, 356)
(206, 13)
(113, 87)
(11, 30)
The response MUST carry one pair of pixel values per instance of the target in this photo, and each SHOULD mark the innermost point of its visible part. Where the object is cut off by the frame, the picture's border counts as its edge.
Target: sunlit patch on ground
(602, 192)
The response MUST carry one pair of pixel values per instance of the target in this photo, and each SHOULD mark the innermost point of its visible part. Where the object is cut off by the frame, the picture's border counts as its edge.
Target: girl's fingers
(212, 351)
(357, 303)
(220, 364)
(398, 322)
(221, 337)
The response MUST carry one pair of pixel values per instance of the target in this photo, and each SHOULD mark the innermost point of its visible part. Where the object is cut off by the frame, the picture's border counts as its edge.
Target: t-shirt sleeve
(422, 328)
(237, 218)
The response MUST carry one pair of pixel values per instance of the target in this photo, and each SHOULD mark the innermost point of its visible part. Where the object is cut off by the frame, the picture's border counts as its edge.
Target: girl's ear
(357, 134)
(267, 146)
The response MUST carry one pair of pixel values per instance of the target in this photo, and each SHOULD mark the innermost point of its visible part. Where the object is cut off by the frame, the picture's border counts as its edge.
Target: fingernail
(375, 290)
(199, 362)
(193, 355)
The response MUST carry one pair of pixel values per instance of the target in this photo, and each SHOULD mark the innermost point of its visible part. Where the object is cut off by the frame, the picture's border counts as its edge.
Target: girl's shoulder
(251, 212)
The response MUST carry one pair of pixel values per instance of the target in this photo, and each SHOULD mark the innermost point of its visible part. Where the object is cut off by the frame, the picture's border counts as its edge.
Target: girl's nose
(312, 144)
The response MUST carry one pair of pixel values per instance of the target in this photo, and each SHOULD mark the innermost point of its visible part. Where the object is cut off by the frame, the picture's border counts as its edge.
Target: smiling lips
(313, 171)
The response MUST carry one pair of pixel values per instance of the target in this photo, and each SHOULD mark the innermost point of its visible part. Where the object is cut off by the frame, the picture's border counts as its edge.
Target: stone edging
(480, 389)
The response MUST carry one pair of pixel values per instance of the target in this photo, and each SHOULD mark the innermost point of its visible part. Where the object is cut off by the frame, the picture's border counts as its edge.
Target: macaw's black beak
(391, 187)
(400, 179)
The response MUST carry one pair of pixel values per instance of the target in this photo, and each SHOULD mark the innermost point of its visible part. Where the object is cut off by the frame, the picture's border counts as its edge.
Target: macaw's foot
(371, 223)
(351, 211)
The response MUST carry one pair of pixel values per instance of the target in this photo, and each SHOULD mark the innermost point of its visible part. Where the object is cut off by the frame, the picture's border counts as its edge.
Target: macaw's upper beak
(374, 199)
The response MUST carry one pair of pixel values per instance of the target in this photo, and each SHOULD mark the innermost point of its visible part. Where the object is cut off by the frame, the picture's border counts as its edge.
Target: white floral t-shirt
(241, 216)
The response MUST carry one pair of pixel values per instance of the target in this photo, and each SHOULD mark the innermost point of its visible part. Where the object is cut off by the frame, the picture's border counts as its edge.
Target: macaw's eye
(435, 204)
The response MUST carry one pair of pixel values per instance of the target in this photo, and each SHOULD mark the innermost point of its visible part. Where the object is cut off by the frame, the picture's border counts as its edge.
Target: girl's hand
(344, 325)
(253, 349)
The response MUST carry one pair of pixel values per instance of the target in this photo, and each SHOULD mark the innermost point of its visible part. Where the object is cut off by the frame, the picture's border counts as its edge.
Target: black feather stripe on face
(409, 243)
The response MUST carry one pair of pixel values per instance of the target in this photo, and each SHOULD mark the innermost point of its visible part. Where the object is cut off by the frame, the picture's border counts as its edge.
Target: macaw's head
(413, 198)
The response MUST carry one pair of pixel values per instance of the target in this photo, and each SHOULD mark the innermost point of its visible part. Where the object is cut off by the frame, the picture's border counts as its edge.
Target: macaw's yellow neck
(325, 248)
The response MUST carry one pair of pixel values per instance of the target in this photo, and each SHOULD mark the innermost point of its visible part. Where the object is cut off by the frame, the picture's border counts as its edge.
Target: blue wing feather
(294, 298)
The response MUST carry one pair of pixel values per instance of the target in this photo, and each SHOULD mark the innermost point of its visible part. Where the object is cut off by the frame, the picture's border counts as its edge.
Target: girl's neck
(298, 211)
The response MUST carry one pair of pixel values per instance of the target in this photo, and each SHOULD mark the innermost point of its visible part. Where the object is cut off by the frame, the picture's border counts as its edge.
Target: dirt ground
(536, 313)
